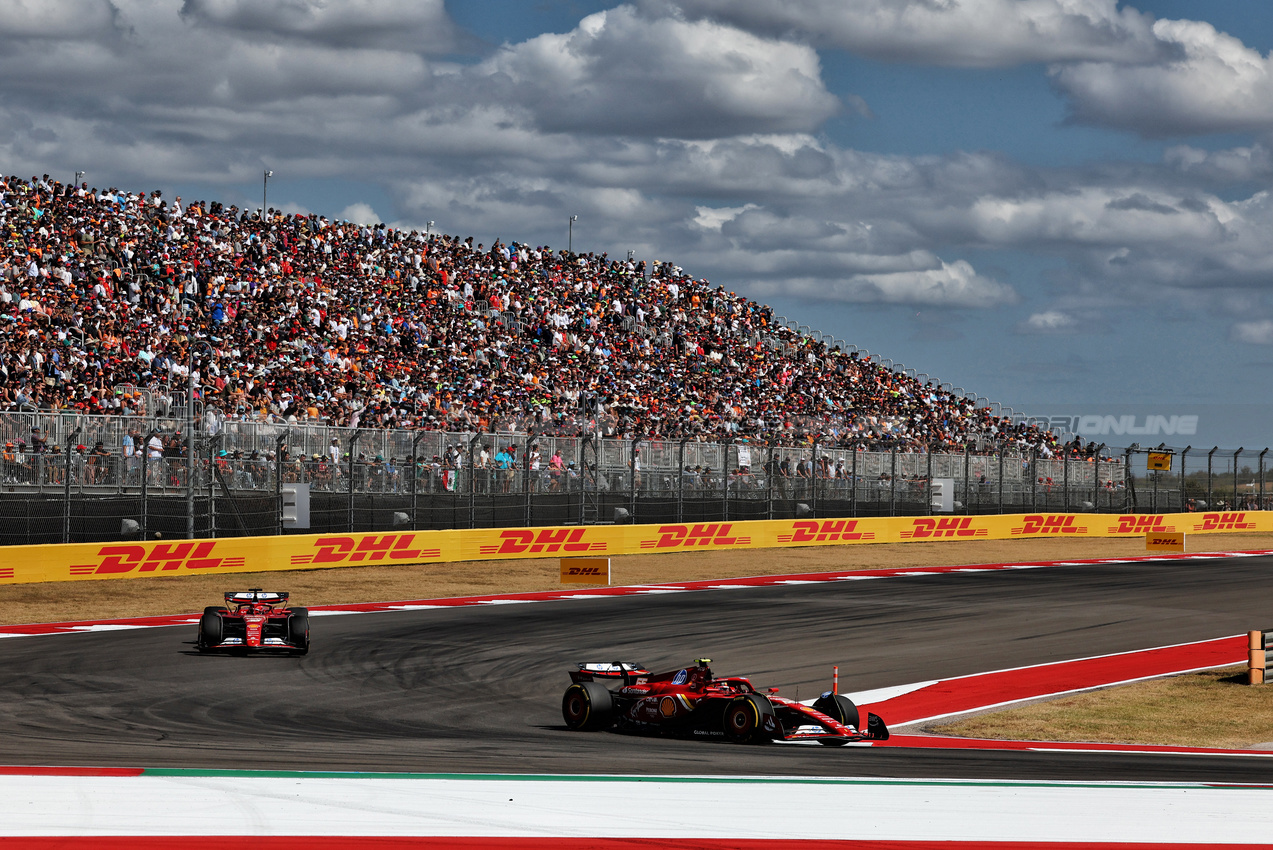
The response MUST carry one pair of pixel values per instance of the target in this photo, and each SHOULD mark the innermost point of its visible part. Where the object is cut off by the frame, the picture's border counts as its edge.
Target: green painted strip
(712, 780)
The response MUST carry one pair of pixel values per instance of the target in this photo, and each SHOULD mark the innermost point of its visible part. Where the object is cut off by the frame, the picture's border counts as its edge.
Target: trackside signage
(134, 559)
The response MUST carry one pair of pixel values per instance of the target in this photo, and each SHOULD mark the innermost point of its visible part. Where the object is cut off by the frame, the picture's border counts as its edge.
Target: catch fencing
(369, 480)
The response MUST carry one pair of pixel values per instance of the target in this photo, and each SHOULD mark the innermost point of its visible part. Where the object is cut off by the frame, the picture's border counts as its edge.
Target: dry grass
(85, 600)
(1211, 709)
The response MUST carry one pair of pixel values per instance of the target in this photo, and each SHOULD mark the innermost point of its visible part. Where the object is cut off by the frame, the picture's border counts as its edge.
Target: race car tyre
(838, 708)
(211, 631)
(750, 719)
(216, 609)
(587, 706)
(298, 630)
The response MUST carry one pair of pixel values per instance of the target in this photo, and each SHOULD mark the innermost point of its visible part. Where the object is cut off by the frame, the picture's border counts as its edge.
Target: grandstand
(136, 319)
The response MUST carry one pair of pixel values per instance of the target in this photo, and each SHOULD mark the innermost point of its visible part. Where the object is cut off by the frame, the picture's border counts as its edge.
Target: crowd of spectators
(111, 298)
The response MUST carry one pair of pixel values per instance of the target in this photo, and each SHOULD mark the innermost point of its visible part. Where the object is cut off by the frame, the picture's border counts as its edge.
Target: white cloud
(1211, 82)
(419, 26)
(972, 33)
(1256, 333)
(712, 218)
(626, 73)
(359, 213)
(954, 284)
(1050, 321)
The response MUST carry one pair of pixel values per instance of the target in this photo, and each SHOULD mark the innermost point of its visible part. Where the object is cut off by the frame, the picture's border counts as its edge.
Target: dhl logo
(522, 541)
(931, 527)
(1050, 524)
(1170, 540)
(1224, 522)
(339, 550)
(1132, 524)
(585, 571)
(707, 534)
(155, 557)
(6, 572)
(827, 531)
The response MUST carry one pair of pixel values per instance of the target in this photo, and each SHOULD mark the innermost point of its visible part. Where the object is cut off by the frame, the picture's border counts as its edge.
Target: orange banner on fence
(134, 559)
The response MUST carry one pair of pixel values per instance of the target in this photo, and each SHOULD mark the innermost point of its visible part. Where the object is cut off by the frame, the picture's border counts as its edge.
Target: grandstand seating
(114, 302)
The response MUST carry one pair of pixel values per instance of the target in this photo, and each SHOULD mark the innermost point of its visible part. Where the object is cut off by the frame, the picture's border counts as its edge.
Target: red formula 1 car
(252, 620)
(691, 701)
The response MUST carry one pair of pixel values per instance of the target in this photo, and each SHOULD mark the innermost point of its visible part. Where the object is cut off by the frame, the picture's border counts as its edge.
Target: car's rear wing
(625, 671)
(243, 597)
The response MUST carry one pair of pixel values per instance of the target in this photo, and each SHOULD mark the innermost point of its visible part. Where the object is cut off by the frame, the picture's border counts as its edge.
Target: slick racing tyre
(838, 708)
(298, 630)
(750, 719)
(216, 609)
(587, 706)
(211, 631)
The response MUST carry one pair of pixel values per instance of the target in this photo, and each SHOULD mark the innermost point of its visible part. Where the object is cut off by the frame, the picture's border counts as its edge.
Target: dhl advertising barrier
(86, 561)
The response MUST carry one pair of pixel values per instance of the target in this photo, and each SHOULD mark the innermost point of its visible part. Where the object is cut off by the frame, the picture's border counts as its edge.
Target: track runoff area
(143, 808)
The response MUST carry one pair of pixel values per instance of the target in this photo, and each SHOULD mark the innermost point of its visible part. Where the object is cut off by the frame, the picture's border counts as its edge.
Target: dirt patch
(1215, 708)
(90, 600)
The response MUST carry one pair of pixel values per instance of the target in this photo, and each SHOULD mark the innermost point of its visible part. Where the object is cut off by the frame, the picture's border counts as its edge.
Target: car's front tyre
(211, 631)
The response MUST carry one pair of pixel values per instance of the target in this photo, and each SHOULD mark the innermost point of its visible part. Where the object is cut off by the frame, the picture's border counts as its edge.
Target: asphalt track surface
(478, 689)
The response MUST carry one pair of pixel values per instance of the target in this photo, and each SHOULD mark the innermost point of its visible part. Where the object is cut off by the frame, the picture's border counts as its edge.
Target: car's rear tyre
(587, 706)
(839, 708)
(216, 609)
(298, 630)
(745, 720)
(211, 631)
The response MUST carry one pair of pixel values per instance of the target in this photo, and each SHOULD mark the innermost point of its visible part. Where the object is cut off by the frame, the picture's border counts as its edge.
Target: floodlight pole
(570, 234)
(265, 188)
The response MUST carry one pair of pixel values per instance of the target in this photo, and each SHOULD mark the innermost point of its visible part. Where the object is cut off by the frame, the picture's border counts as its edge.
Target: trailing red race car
(254, 620)
(691, 701)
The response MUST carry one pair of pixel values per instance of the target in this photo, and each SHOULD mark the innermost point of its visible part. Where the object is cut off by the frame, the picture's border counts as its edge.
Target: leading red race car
(254, 619)
(691, 701)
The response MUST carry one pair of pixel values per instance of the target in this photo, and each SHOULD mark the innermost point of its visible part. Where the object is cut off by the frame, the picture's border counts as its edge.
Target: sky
(1055, 204)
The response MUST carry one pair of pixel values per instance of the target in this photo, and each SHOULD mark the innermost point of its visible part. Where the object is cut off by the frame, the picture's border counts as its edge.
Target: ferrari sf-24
(691, 701)
(254, 620)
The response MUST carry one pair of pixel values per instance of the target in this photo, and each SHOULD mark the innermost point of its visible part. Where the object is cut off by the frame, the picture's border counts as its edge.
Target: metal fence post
(892, 484)
(1184, 452)
(415, 466)
(212, 498)
(279, 442)
(725, 470)
(853, 483)
(1096, 479)
(632, 477)
(353, 443)
(967, 501)
(1065, 479)
(770, 479)
(928, 489)
(1260, 504)
(190, 458)
(1001, 453)
(66, 498)
(1034, 479)
(145, 482)
(473, 480)
(1236, 500)
(1210, 504)
(680, 481)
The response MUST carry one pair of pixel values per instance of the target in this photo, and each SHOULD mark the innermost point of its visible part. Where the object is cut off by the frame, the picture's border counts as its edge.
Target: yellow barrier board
(1165, 541)
(95, 561)
(585, 570)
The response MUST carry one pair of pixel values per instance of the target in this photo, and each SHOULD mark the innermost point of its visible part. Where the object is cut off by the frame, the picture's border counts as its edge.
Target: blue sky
(1046, 202)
